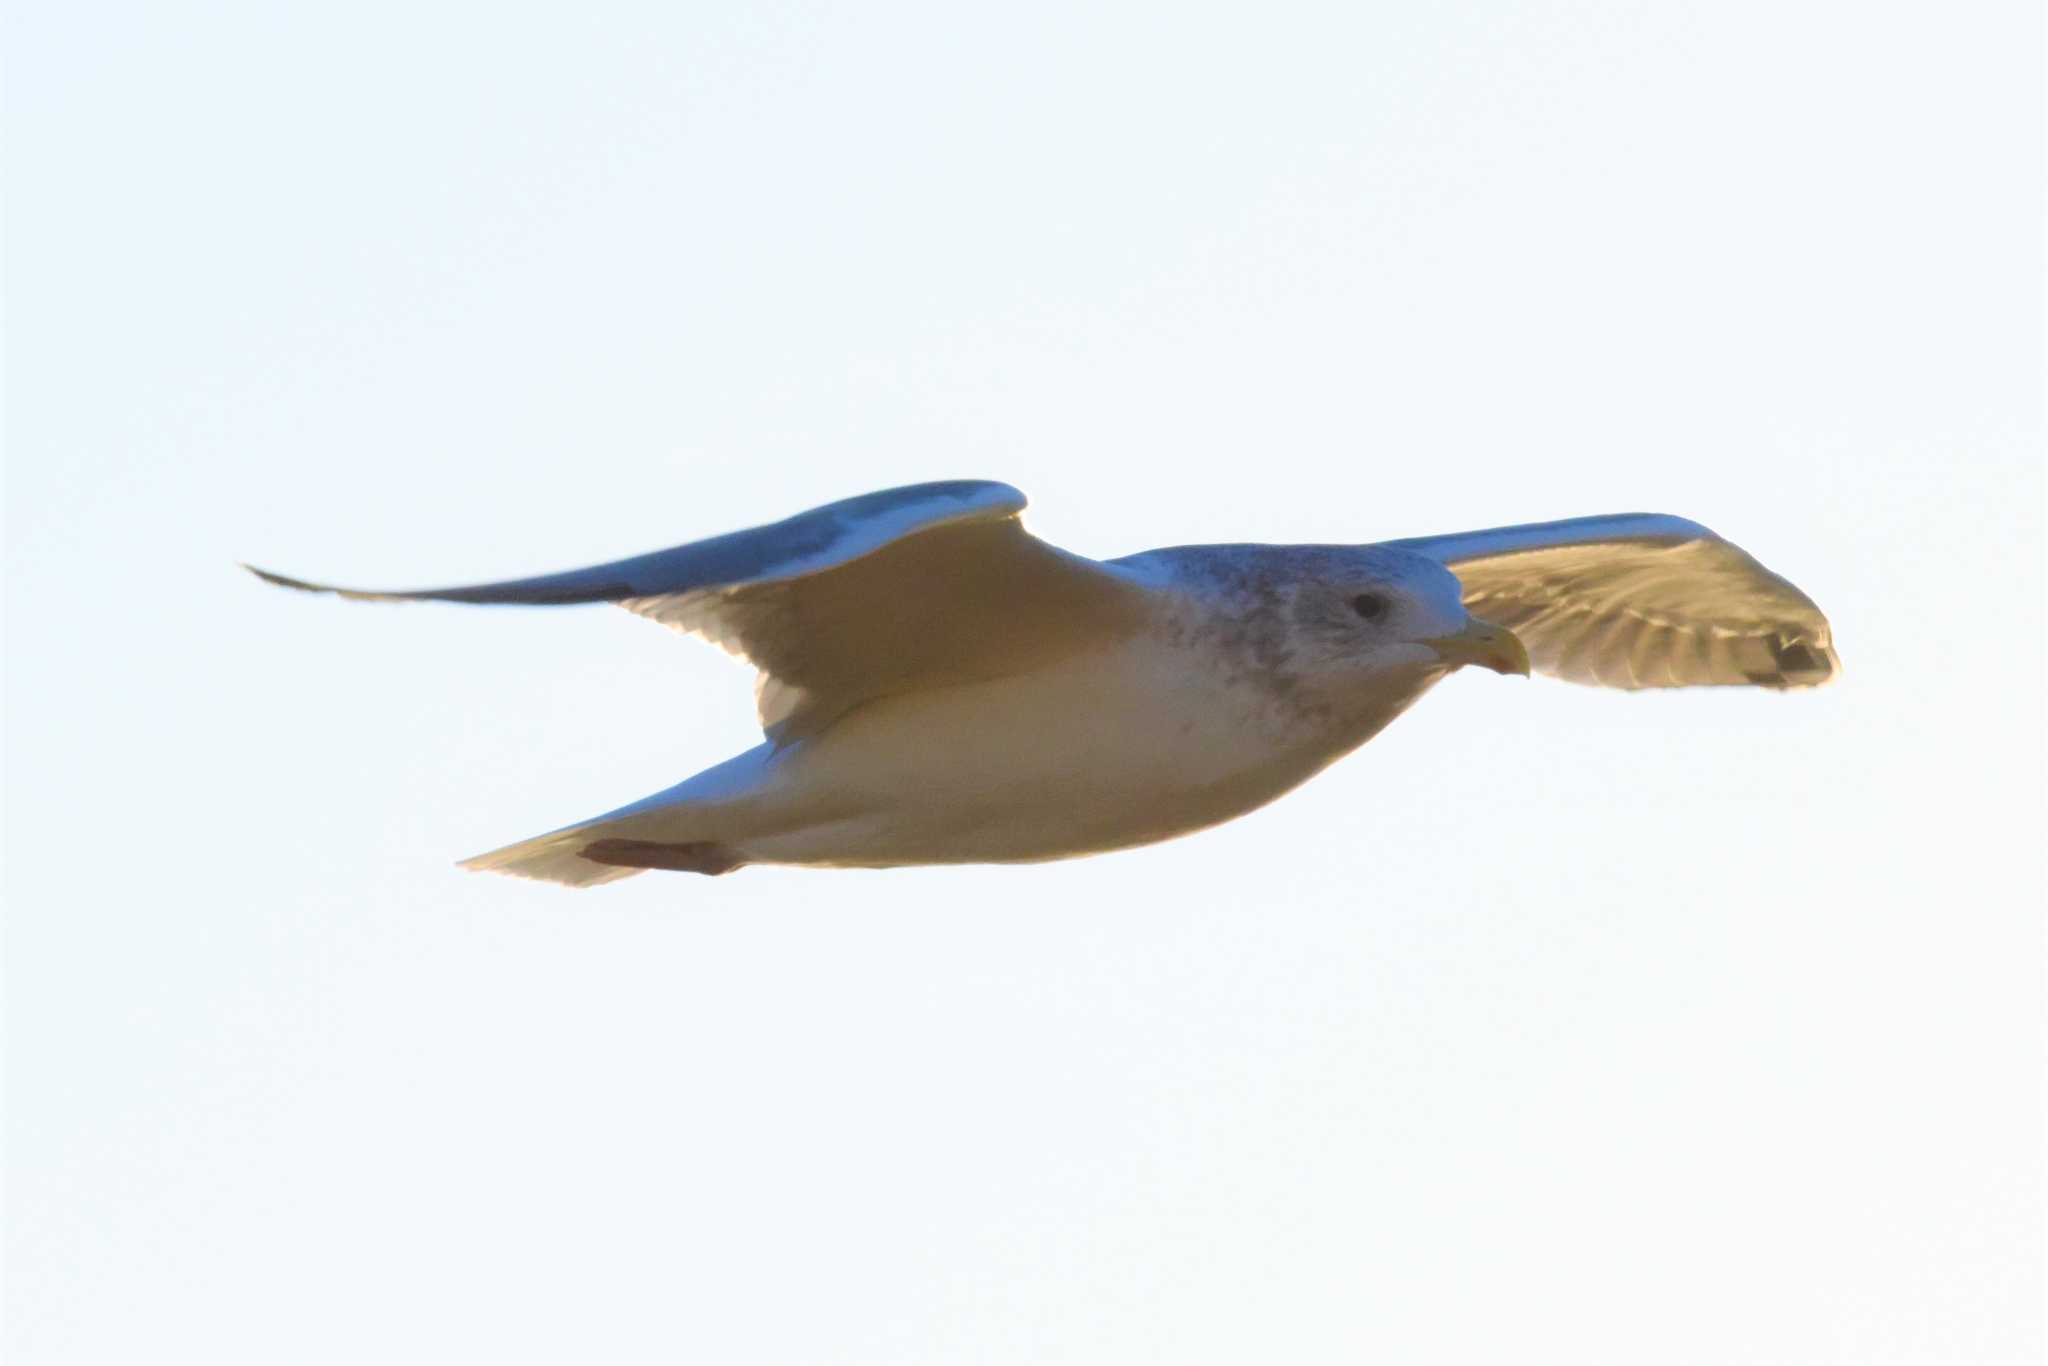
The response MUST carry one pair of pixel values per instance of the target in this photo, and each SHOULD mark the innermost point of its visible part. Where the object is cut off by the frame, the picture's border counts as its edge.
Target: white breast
(1103, 751)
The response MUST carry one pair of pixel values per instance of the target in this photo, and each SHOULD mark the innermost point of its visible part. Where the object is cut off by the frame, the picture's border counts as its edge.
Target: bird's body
(1141, 740)
(945, 689)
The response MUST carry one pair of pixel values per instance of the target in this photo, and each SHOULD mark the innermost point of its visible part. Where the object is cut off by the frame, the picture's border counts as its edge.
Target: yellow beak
(1481, 642)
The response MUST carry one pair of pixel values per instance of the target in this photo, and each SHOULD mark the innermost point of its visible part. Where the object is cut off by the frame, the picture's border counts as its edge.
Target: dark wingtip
(1800, 664)
(354, 594)
(284, 581)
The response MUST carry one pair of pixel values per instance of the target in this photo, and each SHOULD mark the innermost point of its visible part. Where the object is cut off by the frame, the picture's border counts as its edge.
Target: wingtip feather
(284, 580)
(307, 586)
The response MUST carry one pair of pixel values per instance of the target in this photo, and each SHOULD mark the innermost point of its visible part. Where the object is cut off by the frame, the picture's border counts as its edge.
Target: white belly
(1097, 753)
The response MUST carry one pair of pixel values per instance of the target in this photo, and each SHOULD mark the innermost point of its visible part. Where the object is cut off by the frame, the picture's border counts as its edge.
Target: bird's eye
(1371, 606)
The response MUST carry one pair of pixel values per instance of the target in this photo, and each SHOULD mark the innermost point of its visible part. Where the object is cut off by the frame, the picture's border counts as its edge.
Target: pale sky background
(1554, 1026)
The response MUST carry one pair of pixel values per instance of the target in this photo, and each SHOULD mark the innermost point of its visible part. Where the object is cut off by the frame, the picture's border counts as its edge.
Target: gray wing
(1639, 600)
(915, 587)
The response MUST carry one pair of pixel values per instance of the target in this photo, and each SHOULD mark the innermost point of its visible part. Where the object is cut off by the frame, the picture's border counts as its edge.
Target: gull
(937, 685)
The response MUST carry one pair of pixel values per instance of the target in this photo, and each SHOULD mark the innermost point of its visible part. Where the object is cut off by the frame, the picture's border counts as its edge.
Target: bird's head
(1379, 610)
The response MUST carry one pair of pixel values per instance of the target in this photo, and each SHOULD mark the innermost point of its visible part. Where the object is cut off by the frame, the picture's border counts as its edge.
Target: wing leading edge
(915, 587)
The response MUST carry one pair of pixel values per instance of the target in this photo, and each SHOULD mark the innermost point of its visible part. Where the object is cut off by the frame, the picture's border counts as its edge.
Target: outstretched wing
(1639, 601)
(909, 588)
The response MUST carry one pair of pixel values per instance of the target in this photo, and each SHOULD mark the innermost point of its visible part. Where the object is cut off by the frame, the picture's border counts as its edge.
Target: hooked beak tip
(1482, 643)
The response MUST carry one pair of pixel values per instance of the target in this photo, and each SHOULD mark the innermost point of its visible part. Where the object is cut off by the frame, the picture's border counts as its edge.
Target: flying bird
(937, 685)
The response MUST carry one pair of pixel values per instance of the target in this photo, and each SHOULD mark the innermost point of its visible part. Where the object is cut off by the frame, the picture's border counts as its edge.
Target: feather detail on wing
(1639, 600)
(909, 588)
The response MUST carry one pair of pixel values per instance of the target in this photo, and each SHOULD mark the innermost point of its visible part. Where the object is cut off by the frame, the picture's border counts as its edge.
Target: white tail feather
(681, 813)
(555, 857)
